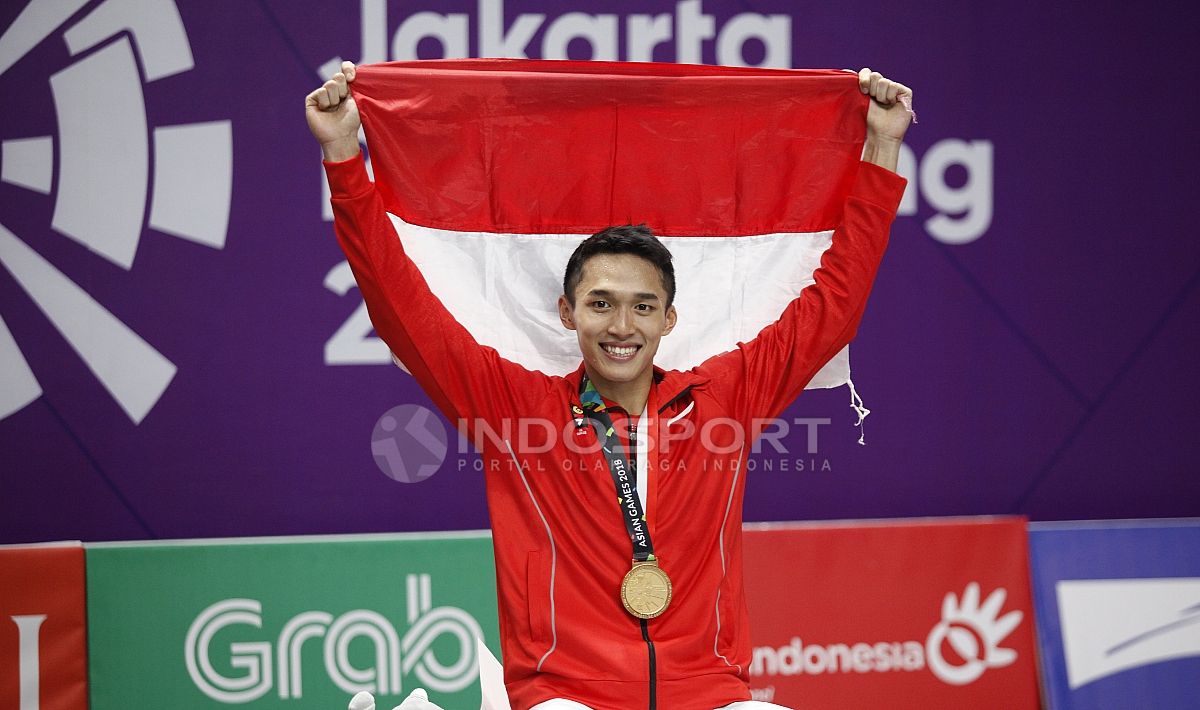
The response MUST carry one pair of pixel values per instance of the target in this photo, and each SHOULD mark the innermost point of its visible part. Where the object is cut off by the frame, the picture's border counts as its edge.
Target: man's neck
(630, 396)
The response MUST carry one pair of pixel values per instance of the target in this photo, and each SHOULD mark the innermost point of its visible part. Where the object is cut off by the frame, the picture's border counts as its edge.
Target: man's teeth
(621, 351)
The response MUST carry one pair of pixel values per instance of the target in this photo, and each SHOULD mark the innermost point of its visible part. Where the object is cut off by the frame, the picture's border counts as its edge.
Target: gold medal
(646, 590)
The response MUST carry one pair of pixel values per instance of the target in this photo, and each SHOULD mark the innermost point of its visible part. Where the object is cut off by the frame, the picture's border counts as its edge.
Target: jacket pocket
(537, 580)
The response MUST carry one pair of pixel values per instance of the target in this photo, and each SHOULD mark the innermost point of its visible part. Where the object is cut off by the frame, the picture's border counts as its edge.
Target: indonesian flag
(493, 170)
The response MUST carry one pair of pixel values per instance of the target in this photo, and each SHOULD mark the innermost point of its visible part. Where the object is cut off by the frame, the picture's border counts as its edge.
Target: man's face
(620, 314)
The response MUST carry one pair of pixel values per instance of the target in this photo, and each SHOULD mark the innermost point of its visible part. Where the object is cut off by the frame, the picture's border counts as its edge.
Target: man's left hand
(888, 116)
(416, 700)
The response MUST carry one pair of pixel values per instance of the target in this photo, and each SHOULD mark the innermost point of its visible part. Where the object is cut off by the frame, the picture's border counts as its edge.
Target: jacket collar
(672, 385)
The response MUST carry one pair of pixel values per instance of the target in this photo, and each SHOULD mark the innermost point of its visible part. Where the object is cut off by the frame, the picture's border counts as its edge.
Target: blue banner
(1118, 606)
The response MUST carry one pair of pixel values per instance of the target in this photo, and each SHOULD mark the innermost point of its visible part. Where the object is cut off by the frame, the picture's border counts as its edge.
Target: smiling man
(618, 296)
(618, 538)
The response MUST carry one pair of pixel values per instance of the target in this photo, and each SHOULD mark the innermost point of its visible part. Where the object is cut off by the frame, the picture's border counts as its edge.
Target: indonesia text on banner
(924, 614)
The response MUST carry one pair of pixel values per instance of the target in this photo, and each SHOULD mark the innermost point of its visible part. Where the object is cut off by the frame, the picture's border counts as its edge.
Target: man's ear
(566, 313)
(672, 316)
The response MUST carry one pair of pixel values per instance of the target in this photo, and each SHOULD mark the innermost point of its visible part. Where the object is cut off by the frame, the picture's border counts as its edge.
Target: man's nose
(621, 324)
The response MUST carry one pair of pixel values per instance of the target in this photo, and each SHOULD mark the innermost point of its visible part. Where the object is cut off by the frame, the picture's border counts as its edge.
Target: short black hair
(624, 239)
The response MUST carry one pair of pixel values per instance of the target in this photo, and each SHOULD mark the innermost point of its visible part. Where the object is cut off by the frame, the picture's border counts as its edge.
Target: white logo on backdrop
(395, 657)
(972, 630)
(1114, 625)
(103, 182)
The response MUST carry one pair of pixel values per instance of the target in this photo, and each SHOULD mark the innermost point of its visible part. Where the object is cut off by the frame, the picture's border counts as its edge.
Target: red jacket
(560, 544)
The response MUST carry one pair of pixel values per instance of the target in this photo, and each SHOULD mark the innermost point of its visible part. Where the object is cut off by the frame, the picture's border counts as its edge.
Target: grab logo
(960, 647)
(264, 665)
(112, 177)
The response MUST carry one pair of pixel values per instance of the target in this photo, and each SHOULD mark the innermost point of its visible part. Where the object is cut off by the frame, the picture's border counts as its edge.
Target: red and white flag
(494, 170)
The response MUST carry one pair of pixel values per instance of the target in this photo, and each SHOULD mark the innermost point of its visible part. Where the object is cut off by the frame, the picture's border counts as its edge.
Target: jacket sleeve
(760, 378)
(466, 380)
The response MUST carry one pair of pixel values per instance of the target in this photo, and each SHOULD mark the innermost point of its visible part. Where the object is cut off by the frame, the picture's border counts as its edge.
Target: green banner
(289, 622)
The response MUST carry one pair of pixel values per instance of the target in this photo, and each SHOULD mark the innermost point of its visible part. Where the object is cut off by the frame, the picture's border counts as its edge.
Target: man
(637, 603)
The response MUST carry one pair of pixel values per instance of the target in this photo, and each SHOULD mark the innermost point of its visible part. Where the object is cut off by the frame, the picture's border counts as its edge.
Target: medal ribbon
(624, 477)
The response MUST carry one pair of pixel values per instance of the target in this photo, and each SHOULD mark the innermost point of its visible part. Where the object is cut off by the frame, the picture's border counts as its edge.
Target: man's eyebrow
(605, 293)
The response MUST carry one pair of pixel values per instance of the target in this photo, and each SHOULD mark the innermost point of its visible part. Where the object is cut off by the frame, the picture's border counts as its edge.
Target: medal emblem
(646, 590)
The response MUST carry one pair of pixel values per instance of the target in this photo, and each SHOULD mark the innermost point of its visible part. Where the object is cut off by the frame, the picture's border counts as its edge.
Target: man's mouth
(620, 352)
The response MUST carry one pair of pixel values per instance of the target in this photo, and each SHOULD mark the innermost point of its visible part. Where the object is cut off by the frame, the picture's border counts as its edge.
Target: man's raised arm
(772, 369)
(466, 380)
(333, 118)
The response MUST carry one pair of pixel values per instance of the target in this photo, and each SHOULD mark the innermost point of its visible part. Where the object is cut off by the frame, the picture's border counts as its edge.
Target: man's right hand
(416, 700)
(333, 116)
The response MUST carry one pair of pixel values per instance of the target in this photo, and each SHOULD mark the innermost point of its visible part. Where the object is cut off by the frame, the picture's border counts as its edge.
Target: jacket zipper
(653, 669)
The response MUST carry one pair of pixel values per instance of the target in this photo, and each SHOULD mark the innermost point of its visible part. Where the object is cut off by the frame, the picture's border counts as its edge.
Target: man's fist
(891, 105)
(333, 116)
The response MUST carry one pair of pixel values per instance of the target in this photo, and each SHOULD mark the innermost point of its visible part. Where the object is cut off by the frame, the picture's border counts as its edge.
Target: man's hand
(887, 117)
(416, 700)
(333, 116)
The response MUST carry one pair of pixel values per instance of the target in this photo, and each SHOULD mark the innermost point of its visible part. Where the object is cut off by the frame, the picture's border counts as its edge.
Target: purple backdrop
(1026, 349)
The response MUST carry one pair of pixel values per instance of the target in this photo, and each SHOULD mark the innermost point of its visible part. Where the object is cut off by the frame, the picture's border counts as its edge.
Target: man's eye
(600, 304)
